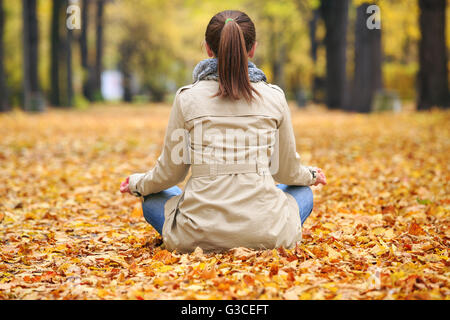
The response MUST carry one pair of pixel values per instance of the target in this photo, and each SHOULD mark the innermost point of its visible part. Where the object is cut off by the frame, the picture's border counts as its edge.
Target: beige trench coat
(236, 151)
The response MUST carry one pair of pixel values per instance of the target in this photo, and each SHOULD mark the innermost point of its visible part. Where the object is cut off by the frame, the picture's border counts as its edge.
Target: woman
(239, 140)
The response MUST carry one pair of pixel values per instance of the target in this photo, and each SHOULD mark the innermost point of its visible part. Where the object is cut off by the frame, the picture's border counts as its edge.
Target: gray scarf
(207, 70)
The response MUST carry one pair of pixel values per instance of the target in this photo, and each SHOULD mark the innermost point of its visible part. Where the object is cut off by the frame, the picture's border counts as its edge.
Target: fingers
(124, 186)
(321, 179)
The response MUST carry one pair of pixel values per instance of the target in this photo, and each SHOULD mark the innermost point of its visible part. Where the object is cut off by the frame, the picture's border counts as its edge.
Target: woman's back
(230, 131)
(231, 199)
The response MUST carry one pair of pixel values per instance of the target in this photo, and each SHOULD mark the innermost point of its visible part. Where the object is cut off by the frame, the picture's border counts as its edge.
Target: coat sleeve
(290, 171)
(169, 169)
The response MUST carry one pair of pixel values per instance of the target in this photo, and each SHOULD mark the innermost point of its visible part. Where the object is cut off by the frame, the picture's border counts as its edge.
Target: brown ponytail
(230, 40)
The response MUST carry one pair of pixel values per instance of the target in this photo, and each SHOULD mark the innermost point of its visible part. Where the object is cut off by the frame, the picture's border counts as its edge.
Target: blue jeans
(153, 205)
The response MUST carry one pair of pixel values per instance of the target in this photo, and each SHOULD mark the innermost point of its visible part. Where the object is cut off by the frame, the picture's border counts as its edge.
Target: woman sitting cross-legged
(234, 130)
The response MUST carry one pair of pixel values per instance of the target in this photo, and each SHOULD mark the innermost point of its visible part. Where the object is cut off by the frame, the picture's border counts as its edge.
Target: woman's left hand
(321, 179)
(124, 186)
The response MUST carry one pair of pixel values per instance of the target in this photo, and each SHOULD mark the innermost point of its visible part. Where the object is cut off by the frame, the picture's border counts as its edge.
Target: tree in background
(335, 16)
(55, 98)
(433, 72)
(126, 49)
(61, 71)
(98, 67)
(367, 76)
(283, 44)
(4, 105)
(69, 68)
(157, 43)
(317, 85)
(277, 53)
(33, 100)
(163, 47)
(83, 40)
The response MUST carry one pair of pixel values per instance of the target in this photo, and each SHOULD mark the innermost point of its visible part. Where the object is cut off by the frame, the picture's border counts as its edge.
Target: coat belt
(214, 169)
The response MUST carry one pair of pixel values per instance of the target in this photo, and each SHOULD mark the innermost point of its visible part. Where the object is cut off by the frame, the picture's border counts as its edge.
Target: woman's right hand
(321, 179)
(125, 186)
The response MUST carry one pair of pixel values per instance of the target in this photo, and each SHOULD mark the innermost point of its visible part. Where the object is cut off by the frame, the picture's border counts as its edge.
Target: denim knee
(309, 198)
(149, 208)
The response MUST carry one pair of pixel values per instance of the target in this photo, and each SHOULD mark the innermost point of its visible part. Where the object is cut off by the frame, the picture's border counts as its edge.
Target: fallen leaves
(379, 229)
(165, 257)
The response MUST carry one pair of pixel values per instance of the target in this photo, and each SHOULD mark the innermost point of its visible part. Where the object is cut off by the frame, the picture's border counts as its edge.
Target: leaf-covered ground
(379, 229)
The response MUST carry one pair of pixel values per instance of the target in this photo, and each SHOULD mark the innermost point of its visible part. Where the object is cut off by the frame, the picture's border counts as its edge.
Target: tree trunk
(278, 63)
(367, 77)
(33, 100)
(69, 72)
(335, 16)
(315, 87)
(433, 72)
(277, 54)
(4, 106)
(87, 72)
(61, 91)
(312, 34)
(99, 50)
(126, 51)
(55, 98)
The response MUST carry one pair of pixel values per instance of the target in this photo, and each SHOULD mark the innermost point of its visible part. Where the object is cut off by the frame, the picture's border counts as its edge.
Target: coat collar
(207, 70)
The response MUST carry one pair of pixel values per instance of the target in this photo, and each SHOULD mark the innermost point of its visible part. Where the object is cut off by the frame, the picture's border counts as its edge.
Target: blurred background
(347, 55)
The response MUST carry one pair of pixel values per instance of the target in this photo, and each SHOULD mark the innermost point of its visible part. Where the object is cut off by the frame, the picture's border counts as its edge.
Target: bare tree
(277, 53)
(126, 49)
(69, 73)
(367, 76)
(4, 106)
(33, 100)
(99, 48)
(433, 70)
(317, 82)
(61, 91)
(335, 16)
(87, 70)
(55, 98)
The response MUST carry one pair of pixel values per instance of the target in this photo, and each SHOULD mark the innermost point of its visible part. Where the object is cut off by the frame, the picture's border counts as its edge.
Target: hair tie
(229, 19)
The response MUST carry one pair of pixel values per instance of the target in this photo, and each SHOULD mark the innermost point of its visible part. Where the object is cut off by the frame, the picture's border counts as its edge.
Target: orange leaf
(165, 257)
(273, 270)
(248, 279)
(208, 273)
(416, 230)
(291, 276)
